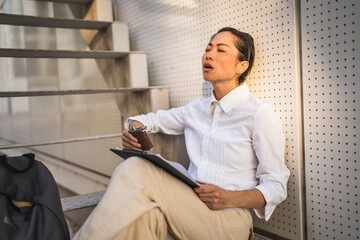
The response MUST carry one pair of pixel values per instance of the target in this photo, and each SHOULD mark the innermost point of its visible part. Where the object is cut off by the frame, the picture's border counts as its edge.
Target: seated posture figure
(236, 148)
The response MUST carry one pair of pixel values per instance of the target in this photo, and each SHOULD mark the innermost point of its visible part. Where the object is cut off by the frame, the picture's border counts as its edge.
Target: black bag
(23, 178)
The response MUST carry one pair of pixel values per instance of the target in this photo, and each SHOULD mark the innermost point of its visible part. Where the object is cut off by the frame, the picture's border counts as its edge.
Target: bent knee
(135, 162)
(132, 165)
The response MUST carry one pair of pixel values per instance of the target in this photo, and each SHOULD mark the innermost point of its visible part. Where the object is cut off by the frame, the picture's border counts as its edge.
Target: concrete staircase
(124, 71)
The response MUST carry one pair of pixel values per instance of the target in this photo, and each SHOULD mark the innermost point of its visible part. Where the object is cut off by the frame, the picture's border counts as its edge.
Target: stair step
(81, 201)
(23, 20)
(67, 1)
(41, 53)
(5, 94)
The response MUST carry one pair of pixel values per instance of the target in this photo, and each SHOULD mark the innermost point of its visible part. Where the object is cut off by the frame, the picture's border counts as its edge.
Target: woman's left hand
(215, 198)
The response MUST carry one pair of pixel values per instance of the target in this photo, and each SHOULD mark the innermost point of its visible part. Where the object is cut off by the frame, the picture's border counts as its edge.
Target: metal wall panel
(331, 53)
(175, 34)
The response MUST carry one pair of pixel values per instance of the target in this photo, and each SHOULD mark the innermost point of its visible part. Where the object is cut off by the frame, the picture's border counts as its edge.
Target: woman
(236, 149)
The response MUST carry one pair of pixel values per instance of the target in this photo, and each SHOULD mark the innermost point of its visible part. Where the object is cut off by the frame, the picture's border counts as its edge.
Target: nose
(209, 55)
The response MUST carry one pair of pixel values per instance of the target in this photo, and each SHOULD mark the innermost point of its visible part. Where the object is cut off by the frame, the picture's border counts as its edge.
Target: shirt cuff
(139, 118)
(128, 123)
(269, 208)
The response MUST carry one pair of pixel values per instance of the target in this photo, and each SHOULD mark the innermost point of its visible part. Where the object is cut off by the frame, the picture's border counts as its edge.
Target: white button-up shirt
(236, 143)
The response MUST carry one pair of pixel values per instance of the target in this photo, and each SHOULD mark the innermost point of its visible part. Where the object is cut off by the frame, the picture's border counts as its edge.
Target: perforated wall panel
(331, 53)
(175, 33)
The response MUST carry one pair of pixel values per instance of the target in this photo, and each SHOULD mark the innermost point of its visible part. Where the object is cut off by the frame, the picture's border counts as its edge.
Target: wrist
(233, 199)
(251, 198)
(135, 124)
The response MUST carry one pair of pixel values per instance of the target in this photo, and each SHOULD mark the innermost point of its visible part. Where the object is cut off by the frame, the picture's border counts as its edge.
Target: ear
(241, 67)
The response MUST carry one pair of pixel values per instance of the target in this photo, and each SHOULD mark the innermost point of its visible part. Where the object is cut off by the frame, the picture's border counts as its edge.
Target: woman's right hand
(128, 140)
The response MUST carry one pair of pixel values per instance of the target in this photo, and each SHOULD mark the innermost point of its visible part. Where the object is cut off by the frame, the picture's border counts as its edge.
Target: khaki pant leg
(151, 225)
(189, 218)
(137, 187)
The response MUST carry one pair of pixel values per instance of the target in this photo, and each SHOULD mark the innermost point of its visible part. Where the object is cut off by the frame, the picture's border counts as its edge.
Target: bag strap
(26, 165)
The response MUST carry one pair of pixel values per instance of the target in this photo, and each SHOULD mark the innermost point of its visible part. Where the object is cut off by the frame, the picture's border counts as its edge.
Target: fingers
(212, 195)
(129, 141)
(206, 188)
(210, 199)
(128, 137)
(212, 203)
(207, 193)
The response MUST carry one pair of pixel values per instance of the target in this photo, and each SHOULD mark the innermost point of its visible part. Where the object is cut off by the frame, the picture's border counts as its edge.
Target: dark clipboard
(156, 159)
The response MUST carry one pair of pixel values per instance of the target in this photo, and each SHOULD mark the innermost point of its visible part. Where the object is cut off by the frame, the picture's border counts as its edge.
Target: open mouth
(207, 66)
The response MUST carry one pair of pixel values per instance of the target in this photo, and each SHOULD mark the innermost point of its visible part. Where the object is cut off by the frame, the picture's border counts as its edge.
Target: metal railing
(60, 141)
(42, 93)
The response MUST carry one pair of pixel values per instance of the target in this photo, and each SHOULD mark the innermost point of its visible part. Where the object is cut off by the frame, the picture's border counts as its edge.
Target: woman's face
(220, 60)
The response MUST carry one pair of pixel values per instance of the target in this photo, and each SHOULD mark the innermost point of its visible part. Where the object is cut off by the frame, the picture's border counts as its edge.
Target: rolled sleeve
(269, 146)
(165, 121)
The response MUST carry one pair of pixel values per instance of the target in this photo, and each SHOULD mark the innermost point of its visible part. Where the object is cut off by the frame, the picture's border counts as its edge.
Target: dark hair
(245, 45)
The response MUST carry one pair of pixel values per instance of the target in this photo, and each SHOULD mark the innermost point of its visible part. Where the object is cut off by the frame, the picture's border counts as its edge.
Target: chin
(207, 78)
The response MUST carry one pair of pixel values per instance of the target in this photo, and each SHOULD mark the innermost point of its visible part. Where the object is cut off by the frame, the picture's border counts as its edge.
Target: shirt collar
(230, 100)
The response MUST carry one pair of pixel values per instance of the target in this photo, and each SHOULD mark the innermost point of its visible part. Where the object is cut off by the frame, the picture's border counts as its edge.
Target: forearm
(252, 198)
(217, 198)
(165, 121)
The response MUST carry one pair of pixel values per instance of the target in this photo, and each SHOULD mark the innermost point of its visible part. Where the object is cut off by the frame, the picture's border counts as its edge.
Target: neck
(223, 88)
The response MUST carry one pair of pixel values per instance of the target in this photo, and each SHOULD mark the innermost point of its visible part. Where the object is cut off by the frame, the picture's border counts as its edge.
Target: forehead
(224, 37)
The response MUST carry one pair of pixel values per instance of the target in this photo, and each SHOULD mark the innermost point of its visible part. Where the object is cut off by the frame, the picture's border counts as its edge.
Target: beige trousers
(144, 202)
